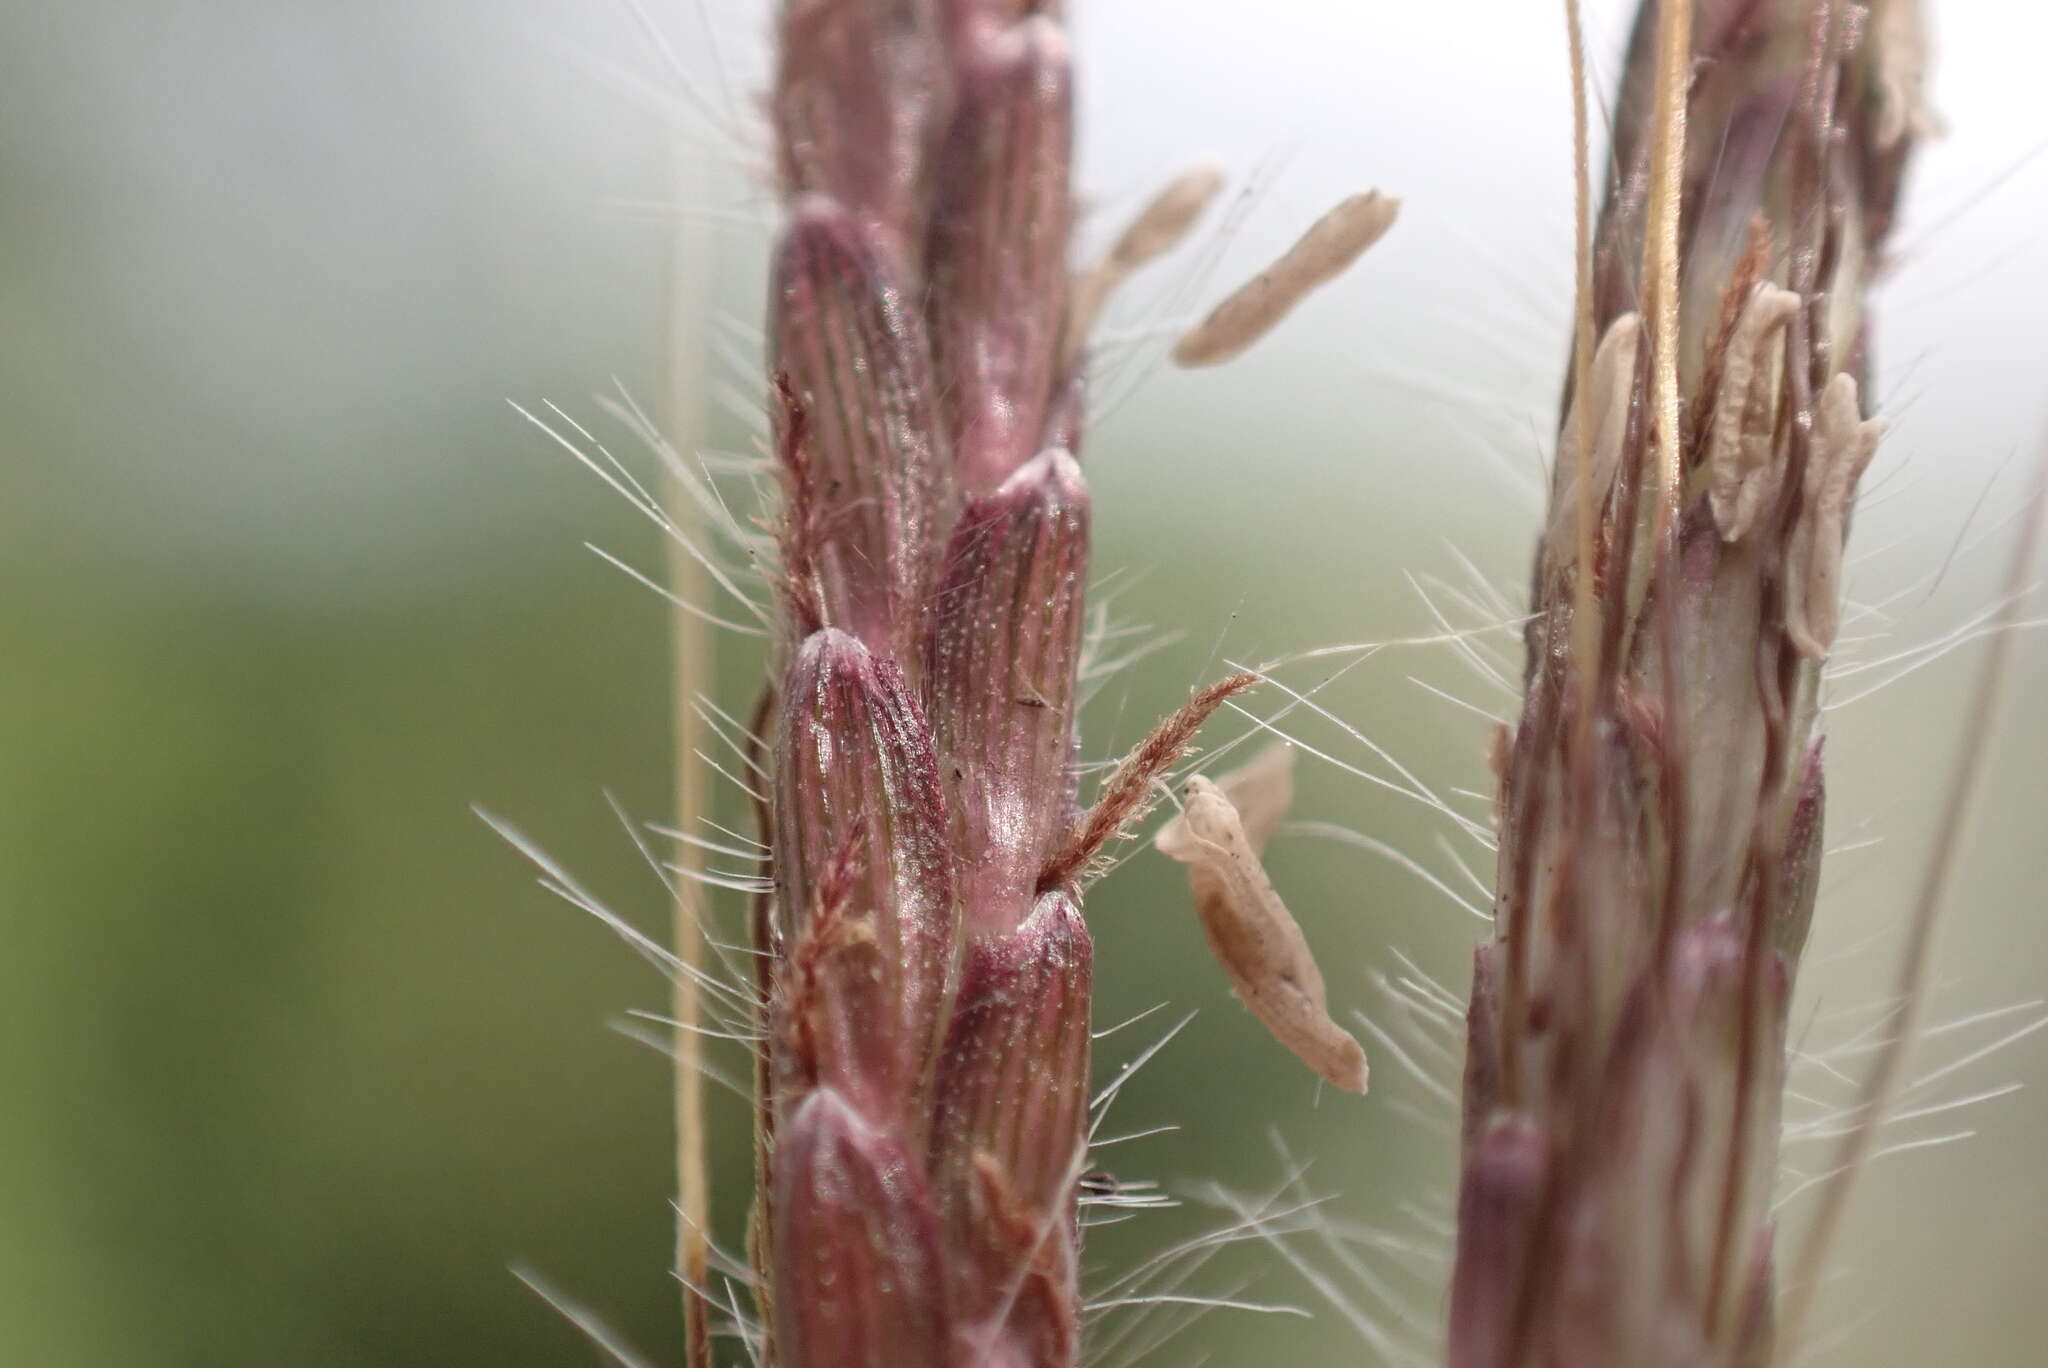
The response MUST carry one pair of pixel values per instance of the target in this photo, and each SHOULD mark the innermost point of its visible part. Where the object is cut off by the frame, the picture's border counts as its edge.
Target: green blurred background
(299, 1059)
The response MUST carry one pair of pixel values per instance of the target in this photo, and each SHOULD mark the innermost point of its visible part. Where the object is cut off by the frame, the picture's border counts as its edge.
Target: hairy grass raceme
(925, 989)
(1661, 796)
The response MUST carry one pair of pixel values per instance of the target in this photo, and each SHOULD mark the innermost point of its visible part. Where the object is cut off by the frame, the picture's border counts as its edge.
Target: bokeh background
(298, 1059)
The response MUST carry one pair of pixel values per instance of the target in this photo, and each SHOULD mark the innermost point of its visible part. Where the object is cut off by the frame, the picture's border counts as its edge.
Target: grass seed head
(1661, 796)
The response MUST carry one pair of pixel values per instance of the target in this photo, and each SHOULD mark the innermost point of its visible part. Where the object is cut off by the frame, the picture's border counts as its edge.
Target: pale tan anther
(1843, 444)
(1608, 400)
(1761, 461)
(1161, 224)
(1250, 931)
(1740, 476)
(1160, 227)
(1262, 791)
(1322, 254)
